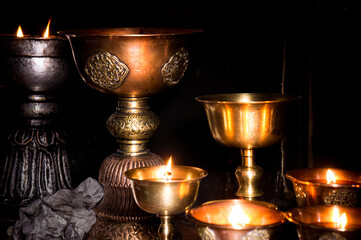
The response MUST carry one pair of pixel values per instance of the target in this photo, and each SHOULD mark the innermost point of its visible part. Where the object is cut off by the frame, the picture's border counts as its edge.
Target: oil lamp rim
(129, 32)
(30, 37)
(289, 216)
(241, 98)
(203, 174)
(292, 175)
(229, 227)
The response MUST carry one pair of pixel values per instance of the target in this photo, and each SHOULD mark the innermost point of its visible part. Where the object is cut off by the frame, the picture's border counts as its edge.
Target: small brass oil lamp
(247, 121)
(165, 191)
(236, 219)
(326, 222)
(326, 186)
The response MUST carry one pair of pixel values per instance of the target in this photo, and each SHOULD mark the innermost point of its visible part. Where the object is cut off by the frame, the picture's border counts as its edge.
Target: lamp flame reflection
(330, 177)
(341, 221)
(237, 218)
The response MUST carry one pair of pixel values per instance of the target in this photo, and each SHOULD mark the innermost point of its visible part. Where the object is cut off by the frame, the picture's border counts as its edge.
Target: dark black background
(243, 48)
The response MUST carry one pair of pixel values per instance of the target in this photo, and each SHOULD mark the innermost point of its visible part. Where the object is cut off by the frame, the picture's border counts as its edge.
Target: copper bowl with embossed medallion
(130, 62)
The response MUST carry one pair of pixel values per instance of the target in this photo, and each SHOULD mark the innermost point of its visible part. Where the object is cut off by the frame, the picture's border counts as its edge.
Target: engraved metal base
(36, 162)
(114, 230)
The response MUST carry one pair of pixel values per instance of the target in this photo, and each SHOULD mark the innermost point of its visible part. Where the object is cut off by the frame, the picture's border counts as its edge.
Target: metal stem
(165, 230)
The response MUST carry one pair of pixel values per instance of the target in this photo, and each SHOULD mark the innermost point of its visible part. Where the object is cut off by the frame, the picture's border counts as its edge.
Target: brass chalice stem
(165, 230)
(248, 176)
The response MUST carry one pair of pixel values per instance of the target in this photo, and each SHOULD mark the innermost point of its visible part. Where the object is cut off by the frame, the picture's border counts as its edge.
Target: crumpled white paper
(67, 214)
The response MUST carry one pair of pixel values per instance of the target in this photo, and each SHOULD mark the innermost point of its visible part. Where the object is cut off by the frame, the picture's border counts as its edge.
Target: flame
(330, 177)
(238, 218)
(19, 33)
(46, 33)
(168, 169)
(341, 221)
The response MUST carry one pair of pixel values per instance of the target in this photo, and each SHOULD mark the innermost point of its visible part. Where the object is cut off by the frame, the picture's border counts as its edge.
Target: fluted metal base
(118, 203)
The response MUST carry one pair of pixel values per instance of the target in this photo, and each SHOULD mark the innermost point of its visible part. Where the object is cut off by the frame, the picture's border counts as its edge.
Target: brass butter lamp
(164, 194)
(131, 64)
(247, 121)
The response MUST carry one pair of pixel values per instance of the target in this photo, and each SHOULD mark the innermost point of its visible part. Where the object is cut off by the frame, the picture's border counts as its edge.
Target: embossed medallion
(174, 69)
(106, 70)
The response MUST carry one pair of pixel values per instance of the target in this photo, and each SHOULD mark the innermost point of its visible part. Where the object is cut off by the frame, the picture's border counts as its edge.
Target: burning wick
(168, 170)
(330, 177)
(46, 33)
(19, 33)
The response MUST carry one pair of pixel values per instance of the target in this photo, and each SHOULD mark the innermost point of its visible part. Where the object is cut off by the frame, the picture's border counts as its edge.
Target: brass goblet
(247, 121)
(165, 197)
(131, 64)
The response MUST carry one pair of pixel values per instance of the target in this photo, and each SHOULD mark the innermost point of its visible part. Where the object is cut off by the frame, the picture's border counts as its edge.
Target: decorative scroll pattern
(340, 196)
(132, 126)
(106, 70)
(301, 196)
(111, 230)
(173, 71)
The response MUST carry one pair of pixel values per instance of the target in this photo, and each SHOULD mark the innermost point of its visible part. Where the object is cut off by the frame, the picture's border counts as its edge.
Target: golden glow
(46, 33)
(341, 221)
(238, 218)
(330, 176)
(19, 33)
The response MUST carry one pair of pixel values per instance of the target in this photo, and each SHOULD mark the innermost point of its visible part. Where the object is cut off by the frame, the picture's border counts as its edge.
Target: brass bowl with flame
(164, 197)
(212, 219)
(311, 187)
(317, 222)
(247, 121)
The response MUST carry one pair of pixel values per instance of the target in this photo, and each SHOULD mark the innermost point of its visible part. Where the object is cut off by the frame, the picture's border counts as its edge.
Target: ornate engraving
(332, 236)
(106, 70)
(132, 126)
(174, 69)
(34, 151)
(206, 233)
(112, 230)
(301, 196)
(257, 234)
(340, 196)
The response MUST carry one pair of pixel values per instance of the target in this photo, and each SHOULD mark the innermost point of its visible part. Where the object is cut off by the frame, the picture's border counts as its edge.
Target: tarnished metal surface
(36, 158)
(35, 64)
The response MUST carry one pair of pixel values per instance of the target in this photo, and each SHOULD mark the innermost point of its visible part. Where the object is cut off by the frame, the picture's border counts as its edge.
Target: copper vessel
(311, 187)
(317, 222)
(131, 64)
(212, 219)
